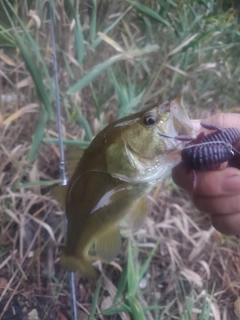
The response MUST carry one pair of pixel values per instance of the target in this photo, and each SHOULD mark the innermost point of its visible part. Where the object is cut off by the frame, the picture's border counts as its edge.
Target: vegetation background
(114, 58)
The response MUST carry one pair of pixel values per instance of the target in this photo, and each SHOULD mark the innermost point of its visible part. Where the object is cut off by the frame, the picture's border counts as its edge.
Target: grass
(114, 58)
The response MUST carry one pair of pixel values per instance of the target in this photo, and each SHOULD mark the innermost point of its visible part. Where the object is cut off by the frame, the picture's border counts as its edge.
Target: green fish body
(112, 179)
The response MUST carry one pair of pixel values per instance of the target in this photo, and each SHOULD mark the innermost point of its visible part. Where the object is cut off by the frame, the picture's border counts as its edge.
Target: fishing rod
(60, 140)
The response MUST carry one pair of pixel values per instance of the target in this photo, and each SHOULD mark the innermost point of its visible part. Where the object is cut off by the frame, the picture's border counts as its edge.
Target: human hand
(218, 191)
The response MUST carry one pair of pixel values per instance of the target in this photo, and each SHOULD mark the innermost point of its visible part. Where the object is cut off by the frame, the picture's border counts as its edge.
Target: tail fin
(81, 264)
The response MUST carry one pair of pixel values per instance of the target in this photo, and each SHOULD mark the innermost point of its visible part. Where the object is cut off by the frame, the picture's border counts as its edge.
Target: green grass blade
(38, 135)
(122, 100)
(83, 144)
(78, 36)
(153, 308)
(121, 285)
(116, 310)
(32, 45)
(132, 272)
(99, 40)
(33, 70)
(93, 21)
(148, 12)
(6, 35)
(144, 267)
(93, 74)
(40, 183)
(95, 299)
(131, 104)
(106, 64)
(136, 309)
(85, 125)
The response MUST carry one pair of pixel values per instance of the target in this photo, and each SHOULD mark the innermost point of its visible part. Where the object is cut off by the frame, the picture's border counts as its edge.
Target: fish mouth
(178, 122)
(180, 119)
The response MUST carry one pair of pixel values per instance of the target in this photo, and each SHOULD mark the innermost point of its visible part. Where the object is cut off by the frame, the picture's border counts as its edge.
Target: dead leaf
(106, 303)
(7, 60)
(3, 283)
(237, 307)
(35, 17)
(24, 83)
(192, 276)
(62, 317)
(110, 41)
(27, 109)
(33, 315)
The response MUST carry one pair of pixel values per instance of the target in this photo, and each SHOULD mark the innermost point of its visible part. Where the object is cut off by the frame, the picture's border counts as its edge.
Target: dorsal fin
(59, 194)
(72, 159)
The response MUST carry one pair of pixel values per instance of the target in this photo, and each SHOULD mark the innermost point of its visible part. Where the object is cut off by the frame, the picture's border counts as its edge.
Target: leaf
(7, 60)
(104, 65)
(32, 68)
(93, 21)
(144, 267)
(93, 74)
(148, 12)
(83, 144)
(85, 125)
(40, 183)
(136, 309)
(183, 44)
(99, 40)
(27, 109)
(95, 299)
(38, 135)
(132, 271)
(110, 41)
(78, 36)
(33, 45)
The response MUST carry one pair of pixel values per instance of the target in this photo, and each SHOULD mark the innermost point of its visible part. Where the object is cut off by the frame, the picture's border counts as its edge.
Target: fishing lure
(207, 152)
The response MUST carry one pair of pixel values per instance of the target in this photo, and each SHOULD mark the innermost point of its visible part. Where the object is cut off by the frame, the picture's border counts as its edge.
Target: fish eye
(149, 119)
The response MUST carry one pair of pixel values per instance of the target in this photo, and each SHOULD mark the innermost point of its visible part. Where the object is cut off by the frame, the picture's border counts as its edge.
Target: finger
(218, 183)
(224, 120)
(218, 205)
(227, 224)
(223, 182)
(182, 178)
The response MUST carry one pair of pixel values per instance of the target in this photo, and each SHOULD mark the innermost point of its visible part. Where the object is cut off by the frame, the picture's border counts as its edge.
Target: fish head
(142, 139)
(146, 149)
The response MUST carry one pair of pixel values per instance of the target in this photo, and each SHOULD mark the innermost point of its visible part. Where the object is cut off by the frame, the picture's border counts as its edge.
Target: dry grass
(194, 272)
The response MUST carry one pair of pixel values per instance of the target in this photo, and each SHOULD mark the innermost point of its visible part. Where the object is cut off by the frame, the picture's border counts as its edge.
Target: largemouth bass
(112, 178)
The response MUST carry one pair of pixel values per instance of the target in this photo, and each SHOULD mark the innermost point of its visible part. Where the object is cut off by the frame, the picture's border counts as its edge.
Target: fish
(110, 180)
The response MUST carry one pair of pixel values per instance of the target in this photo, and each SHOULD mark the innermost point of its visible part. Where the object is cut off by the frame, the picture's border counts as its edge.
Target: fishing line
(226, 144)
(60, 140)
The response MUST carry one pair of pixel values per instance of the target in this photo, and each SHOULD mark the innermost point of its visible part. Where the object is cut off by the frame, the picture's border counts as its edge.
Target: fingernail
(196, 125)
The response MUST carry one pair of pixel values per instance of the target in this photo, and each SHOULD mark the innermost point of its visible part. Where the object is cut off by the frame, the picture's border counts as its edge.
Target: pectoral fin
(137, 213)
(59, 193)
(112, 195)
(108, 244)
